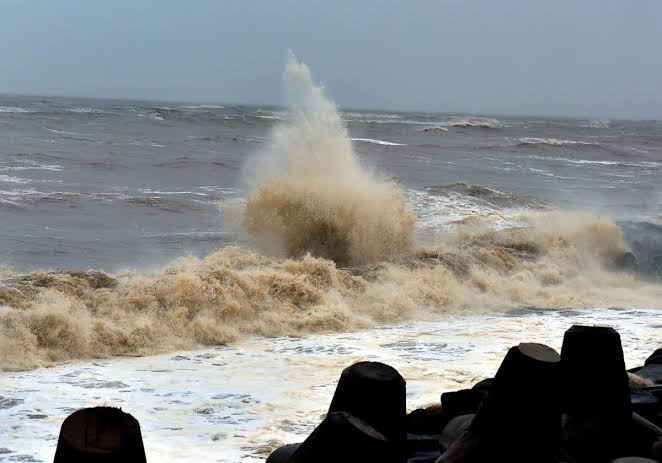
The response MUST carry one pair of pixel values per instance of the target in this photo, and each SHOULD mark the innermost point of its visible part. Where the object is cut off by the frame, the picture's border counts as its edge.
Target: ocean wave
(640, 164)
(85, 110)
(16, 110)
(203, 106)
(11, 179)
(64, 132)
(377, 142)
(528, 141)
(31, 165)
(435, 129)
(556, 261)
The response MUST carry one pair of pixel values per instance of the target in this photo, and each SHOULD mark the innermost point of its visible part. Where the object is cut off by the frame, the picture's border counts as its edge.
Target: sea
(212, 268)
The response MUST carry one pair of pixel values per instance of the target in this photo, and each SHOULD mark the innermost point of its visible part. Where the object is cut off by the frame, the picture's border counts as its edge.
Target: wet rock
(652, 372)
(283, 454)
(375, 393)
(656, 449)
(596, 395)
(627, 261)
(342, 437)
(461, 402)
(417, 443)
(520, 419)
(455, 429)
(424, 421)
(655, 358)
(100, 435)
(633, 460)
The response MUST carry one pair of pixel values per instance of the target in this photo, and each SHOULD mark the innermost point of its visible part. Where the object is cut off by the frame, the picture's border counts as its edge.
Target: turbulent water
(135, 228)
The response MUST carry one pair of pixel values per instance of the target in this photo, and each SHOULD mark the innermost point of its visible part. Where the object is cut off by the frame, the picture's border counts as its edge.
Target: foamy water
(236, 403)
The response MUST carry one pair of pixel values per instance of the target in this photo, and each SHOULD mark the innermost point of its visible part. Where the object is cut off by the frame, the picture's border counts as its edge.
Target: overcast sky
(551, 57)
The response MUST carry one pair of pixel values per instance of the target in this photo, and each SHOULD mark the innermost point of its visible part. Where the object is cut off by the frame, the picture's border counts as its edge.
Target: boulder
(100, 435)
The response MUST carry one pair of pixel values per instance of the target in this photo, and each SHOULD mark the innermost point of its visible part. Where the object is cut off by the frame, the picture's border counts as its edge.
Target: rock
(644, 403)
(520, 419)
(655, 358)
(656, 450)
(424, 421)
(283, 454)
(375, 393)
(100, 435)
(632, 460)
(417, 443)
(651, 372)
(627, 261)
(455, 428)
(483, 386)
(461, 402)
(342, 437)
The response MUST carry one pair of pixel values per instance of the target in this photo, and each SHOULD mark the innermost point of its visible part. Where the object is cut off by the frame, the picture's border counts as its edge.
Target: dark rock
(483, 386)
(656, 449)
(423, 457)
(627, 261)
(454, 429)
(461, 402)
(424, 421)
(633, 460)
(652, 372)
(655, 358)
(422, 443)
(644, 403)
(100, 435)
(342, 437)
(596, 395)
(283, 454)
(520, 419)
(375, 393)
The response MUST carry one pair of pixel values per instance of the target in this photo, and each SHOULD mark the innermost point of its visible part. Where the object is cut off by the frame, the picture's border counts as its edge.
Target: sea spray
(313, 196)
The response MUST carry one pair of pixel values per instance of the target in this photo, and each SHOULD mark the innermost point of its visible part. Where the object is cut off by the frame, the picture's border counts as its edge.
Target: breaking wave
(338, 254)
(556, 261)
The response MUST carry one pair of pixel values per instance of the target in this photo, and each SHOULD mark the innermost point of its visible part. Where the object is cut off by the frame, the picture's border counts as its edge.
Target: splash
(313, 196)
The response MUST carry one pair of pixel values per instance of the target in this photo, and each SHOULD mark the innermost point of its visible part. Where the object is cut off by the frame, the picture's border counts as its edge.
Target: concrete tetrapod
(596, 395)
(520, 419)
(341, 437)
(100, 435)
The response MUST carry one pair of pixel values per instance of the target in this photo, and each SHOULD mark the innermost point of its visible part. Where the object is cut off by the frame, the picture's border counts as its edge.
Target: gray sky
(558, 57)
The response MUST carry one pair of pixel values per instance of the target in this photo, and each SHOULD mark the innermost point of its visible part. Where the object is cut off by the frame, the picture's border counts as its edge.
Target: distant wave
(435, 129)
(203, 106)
(15, 109)
(642, 164)
(377, 142)
(527, 141)
(10, 179)
(64, 132)
(475, 122)
(28, 164)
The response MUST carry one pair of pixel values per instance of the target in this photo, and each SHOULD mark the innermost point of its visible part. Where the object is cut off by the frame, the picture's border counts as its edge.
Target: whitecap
(377, 142)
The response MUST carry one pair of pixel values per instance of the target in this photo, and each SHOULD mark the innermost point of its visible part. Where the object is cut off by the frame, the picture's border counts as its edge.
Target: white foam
(10, 179)
(236, 403)
(377, 142)
(643, 164)
(63, 132)
(203, 106)
(15, 109)
(551, 141)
